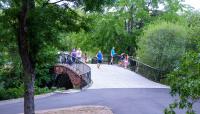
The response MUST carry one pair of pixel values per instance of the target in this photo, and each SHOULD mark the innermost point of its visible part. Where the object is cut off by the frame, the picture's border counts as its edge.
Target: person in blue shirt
(99, 58)
(112, 55)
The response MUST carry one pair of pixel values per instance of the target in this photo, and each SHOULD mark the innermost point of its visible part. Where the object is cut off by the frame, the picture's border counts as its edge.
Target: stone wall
(73, 75)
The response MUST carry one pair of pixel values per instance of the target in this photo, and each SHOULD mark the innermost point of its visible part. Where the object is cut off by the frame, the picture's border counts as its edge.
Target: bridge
(120, 89)
(113, 76)
(108, 76)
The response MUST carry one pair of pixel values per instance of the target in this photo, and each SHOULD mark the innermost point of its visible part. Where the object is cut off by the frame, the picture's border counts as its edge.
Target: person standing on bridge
(126, 61)
(73, 54)
(112, 53)
(99, 58)
(79, 54)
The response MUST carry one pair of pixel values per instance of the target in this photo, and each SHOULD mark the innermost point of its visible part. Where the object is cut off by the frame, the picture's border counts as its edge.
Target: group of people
(78, 54)
(123, 58)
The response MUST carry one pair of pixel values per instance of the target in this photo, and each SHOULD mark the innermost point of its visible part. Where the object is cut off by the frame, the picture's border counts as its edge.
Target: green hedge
(18, 92)
(11, 93)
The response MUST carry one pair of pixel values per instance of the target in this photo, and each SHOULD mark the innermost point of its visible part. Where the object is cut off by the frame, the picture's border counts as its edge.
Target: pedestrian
(85, 57)
(79, 54)
(99, 58)
(73, 54)
(121, 60)
(126, 61)
(112, 53)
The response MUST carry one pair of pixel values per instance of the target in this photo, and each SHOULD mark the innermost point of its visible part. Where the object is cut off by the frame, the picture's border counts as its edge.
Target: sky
(193, 3)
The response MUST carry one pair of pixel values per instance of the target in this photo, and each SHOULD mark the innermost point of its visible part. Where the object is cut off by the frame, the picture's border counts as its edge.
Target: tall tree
(35, 24)
(24, 51)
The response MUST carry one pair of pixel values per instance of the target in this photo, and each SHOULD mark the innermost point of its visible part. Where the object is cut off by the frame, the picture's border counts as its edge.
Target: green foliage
(162, 44)
(42, 90)
(10, 69)
(11, 93)
(122, 25)
(47, 58)
(194, 30)
(187, 74)
(188, 87)
(106, 31)
(45, 22)
(96, 5)
(18, 92)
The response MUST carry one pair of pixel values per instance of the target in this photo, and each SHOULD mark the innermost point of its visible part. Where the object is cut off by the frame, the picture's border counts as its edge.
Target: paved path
(111, 76)
(123, 91)
(121, 101)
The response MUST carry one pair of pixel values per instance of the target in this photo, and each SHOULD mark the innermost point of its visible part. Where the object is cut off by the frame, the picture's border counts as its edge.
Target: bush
(194, 30)
(161, 45)
(11, 76)
(185, 81)
(46, 58)
(42, 90)
(11, 93)
(18, 92)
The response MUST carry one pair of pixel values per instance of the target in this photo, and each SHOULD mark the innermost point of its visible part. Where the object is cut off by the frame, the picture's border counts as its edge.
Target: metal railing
(145, 70)
(82, 69)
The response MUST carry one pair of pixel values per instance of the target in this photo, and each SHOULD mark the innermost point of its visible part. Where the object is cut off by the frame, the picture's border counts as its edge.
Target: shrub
(18, 92)
(42, 90)
(194, 30)
(11, 93)
(185, 82)
(46, 59)
(161, 45)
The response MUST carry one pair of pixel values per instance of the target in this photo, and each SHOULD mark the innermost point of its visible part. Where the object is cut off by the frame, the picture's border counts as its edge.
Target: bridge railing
(145, 70)
(82, 69)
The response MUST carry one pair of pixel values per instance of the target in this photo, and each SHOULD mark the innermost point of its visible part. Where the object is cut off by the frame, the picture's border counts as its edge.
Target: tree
(139, 13)
(161, 45)
(106, 30)
(187, 74)
(34, 24)
(193, 19)
(188, 87)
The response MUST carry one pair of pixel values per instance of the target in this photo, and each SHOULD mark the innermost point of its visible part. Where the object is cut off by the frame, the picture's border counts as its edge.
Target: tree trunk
(29, 93)
(24, 51)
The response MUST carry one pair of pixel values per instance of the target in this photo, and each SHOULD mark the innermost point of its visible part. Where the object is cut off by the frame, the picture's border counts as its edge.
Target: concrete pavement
(111, 76)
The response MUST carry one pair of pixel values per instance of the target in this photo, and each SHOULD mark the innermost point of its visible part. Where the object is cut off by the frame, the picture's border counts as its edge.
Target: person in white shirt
(79, 54)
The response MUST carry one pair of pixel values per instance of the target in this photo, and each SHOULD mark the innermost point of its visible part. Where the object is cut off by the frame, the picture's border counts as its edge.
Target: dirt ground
(78, 110)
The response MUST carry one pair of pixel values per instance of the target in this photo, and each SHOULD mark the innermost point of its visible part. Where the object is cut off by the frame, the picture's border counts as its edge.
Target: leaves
(162, 45)
(44, 25)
